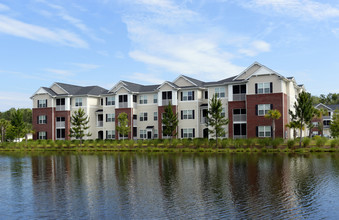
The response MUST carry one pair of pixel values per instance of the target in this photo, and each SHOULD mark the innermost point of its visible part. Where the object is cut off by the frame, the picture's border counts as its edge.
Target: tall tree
(123, 127)
(215, 119)
(4, 125)
(274, 115)
(79, 125)
(170, 121)
(304, 111)
(334, 126)
(18, 123)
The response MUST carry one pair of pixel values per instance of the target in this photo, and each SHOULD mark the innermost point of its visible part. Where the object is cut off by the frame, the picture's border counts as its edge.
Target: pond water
(169, 186)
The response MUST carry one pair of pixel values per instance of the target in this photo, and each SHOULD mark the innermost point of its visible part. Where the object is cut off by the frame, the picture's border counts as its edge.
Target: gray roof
(195, 81)
(333, 107)
(134, 87)
(82, 90)
(51, 92)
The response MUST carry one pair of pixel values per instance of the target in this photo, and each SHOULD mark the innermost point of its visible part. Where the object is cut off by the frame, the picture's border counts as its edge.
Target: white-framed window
(42, 103)
(143, 99)
(143, 116)
(110, 100)
(264, 88)
(223, 112)
(155, 133)
(110, 117)
(315, 124)
(42, 119)
(42, 135)
(263, 109)
(187, 95)
(187, 114)
(155, 116)
(155, 98)
(143, 134)
(264, 131)
(187, 133)
(78, 101)
(220, 92)
(110, 134)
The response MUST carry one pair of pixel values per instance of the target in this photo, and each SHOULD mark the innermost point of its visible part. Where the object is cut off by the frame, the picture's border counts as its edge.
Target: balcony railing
(166, 101)
(239, 136)
(123, 104)
(135, 124)
(239, 118)
(100, 123)
(239, 97)
(60, 107)
(326, 117)
(60, 124)
(61, 139)
(203, 120)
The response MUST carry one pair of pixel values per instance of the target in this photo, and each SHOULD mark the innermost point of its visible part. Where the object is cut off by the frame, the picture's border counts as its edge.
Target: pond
(169, 186)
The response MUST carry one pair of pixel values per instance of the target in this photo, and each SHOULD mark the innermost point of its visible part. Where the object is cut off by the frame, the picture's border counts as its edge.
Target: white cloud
(307, 9)
(4, 7)
(255, 48)
(60, 72)
(33, 32)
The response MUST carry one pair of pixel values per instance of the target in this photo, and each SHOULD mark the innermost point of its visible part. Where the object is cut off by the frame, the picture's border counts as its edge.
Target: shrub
(198, 142)
(139, 143)
(225, 142)
(166, 143)
(175, 142)
(238, 143)
(186, 142)
(250, 142)
(156, 142)
(291, 143)
(277, 142)
(320, 142)
(68, 143)
(306, 142)
(334, 143)
(211, 143)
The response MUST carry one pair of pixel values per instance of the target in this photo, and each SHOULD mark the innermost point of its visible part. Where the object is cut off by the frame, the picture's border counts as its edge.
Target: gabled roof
(262, 70)
(134, 87)
(44, 90)
(169, 83)
(334, 107)
(195, 82)
(81, 90)
(323, 105)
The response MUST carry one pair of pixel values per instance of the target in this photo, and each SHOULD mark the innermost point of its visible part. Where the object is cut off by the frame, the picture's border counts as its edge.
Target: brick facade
(43, 127)
(67, 116)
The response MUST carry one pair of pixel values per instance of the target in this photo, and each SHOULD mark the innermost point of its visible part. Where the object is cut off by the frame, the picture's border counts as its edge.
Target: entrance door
(149, 134)
(205, 133)
(100, 135)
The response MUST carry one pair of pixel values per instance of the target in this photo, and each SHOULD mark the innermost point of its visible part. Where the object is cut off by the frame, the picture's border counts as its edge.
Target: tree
(304, 111)
(4, 125)
(79, 122)
(123, 127)
(273, 114)
(215, 119)
(293, 125)
(18, 123)
(334, 126)
(319, 113)
(170, 121)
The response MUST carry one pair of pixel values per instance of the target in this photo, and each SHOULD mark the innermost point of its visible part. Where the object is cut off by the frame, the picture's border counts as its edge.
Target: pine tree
(79, 122)
(170, 121)
(215, 119)
(334, 126)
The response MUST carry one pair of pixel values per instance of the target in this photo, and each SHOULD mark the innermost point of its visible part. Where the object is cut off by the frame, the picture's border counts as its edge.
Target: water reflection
(134, 186)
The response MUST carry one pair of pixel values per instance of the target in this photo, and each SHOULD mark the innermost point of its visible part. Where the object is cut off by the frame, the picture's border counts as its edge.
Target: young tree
(170, 121)
(4, 125)
(18, 123)
(79, 122)
(123, 127)
(215, 119)
(304, 111)
(334, 126)
(273, 114)
(319, 113)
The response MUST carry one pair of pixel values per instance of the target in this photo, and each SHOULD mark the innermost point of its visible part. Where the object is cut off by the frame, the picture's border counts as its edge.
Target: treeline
(329, 99)
(15, 124)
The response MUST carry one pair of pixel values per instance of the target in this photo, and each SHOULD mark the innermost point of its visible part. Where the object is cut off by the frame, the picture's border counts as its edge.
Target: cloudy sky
(99, 42)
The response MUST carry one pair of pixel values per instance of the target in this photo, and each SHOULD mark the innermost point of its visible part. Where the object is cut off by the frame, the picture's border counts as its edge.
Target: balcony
(240, 117)
(166, 102)
(123, 104)
(239, 97)
(100, 123)
(60, 124)
(60, 108)
(203, 120)
(135, 122)
(60, 139)
(239, 136)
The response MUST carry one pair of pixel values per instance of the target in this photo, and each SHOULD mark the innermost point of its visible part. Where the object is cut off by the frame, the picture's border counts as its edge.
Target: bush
(225, 142)
(139, 143)
(320, 142)
(238, 143)
(156, 142)
(277, 142)
(211, 143)
(198, 142)
(166, 143)
(306, 141)
(334, 143)
(291, 143)
(175, 143)
(130, 143)
(186, 142)
(250, 142)
(264, 142)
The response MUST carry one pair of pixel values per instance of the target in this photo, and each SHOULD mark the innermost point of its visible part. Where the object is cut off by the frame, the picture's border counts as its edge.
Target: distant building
(325, 120)
(246, 99)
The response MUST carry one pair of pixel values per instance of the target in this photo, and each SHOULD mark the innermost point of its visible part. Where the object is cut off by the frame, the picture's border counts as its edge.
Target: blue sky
(99, 42)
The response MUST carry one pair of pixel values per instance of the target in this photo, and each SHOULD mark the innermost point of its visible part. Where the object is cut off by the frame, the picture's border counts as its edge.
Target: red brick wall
(161, 109)
(67, 115)
(231, 106)
(42, 127)
(277, 99)
(129, 112)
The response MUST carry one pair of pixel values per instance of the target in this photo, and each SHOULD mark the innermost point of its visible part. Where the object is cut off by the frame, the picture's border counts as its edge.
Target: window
(206, 94)
(42, 119)
(220, 92)
(42, 135)
(239, 130)
(110, 117)
(187, 114)
(110, 100)
(327, 122)
(155, 133)
(78, 102)
(60, 101)
(60, 132)
(135, 98)
(143, 116)
(42, 103)
(122, 98)
(263, 88)
(187, 95)
(315, 124)
(155, 98)
(143, 99)
(223, 112)
(263, 109)
(110, 134)
(264, 131)
(155, 116)
(239, 89)
(187, 133)
(135, 132)
(60, 122)
(167, 95)
(142, 134)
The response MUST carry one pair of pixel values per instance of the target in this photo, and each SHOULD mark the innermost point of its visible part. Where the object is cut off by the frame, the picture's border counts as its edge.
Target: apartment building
(246, 98)
(325, 120)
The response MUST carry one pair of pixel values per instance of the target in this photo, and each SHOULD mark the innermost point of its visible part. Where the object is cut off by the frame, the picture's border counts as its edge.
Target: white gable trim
(325, 106)
(116, 85)
(59, 87)
(182, 76)
(41, 91)
(122, 87)
(166, 82)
